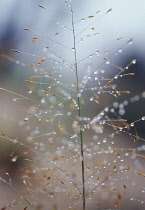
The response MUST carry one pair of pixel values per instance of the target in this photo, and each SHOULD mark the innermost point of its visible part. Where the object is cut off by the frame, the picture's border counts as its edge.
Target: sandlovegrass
(76, 148)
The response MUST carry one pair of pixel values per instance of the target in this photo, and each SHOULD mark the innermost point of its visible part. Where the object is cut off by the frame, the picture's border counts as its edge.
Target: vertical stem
(79, 113)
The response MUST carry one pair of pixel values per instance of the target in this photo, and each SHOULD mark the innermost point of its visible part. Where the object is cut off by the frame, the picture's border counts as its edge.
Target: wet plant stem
(79, 112)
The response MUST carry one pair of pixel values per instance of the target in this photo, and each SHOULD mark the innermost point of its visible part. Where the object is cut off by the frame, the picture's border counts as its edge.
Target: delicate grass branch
(79, 112)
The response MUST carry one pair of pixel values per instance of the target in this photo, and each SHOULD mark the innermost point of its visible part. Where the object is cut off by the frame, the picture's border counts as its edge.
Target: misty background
(125, 21)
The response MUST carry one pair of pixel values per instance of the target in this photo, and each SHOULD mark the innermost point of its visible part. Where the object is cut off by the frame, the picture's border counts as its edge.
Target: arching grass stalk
(79, 111)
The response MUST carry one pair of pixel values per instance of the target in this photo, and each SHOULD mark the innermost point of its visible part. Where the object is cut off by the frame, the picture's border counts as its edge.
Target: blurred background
(121, 32)
(126, 21)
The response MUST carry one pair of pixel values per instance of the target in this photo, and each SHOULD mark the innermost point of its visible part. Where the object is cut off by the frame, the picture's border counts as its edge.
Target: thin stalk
(79, 113)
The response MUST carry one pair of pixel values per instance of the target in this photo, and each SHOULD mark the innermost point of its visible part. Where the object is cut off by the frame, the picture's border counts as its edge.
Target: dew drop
(112, 110)
(121, 112)
(132, 124)
(43, 100)
(107, 62)
(17, 62)
(115, 104)
(78, 95)
(120, 50)
(134, 61)
(14, 159)
(104, 140)
(129, 42)
(73, 49)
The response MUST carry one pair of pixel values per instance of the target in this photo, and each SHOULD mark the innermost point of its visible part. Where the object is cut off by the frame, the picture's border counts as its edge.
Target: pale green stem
(79, 113)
